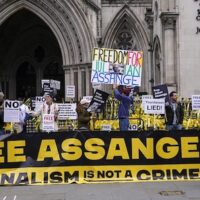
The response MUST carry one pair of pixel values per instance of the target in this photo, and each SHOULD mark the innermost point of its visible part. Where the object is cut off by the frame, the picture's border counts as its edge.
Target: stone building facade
(53, 39)
(176, 47)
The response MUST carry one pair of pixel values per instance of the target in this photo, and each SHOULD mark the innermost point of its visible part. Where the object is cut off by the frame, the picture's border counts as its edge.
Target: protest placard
(160, 91)
(98, 101)
(114, 66)
(154, 106)
(195, 102)
(67, 111)
(48, 122)
(39, 100)
(11, 111)
(70, 91)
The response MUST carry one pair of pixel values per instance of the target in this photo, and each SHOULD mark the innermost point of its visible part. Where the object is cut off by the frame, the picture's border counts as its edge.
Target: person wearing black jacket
(174, 113)
(83, 115)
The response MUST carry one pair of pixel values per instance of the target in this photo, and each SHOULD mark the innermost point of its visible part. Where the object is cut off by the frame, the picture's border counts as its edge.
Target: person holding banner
(122, 94)
(48, 113)
(174, 113)
(83, 115)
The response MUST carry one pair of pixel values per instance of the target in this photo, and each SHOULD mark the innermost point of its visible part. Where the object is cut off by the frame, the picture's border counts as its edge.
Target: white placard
(144, 98)
(67, 111)
(39, 100)
(53, 83)
(70, 91)
(96, 86)
(106, 127)
(88, 98)
(133, 127)
(154, 106)
(114, 70)
(48, 123)
(44, 81)
(11, 111)
(195, 102)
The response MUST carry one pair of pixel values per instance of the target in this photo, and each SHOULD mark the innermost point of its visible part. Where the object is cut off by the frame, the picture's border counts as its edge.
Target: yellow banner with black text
(95, 157)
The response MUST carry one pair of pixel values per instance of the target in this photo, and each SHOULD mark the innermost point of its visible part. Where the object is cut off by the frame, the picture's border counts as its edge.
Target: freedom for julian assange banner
(114, 66)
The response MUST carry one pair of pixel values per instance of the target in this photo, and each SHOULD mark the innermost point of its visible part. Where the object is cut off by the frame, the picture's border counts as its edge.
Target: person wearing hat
(121, 93)
(83, 115)
(48, 107)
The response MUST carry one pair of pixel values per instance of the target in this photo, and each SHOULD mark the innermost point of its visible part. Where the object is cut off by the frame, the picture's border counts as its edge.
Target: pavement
(112, 191)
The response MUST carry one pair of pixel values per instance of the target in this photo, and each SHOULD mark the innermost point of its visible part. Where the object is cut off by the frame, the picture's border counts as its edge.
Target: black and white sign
(11, 111)
(98, 101)
(47, 88)
(67, 111)
(160, 91)
(154, 106)
(52, 83)
(48, 123)
(106, 127)
(133, 127)
(195, 102)
(144, 98)
(70, 91)
(39, 100)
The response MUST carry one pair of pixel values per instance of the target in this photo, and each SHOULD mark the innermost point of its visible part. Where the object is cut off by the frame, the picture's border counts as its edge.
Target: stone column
(67, 79)
(88, 80)
(80, 94)
(149, 17)
(169, 44)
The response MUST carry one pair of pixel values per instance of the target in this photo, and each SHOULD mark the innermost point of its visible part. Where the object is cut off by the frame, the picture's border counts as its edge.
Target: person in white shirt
(48, 108)
(19, 127)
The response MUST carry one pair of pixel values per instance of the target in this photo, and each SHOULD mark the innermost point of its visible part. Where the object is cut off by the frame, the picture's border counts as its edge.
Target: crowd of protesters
(174, 111)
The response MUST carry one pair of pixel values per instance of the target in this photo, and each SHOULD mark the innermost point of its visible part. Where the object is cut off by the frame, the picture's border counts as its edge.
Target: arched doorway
(27, 47)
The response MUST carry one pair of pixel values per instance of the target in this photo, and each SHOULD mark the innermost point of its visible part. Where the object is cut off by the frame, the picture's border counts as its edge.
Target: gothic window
(157, 66)
(124, 38)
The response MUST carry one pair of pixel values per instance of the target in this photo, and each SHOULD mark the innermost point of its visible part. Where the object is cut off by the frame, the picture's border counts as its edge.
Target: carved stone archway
(69, 26)
(135, 32)
(68, 23)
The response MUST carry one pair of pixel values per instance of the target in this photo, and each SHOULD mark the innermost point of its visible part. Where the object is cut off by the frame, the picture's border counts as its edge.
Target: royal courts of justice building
(53, 39)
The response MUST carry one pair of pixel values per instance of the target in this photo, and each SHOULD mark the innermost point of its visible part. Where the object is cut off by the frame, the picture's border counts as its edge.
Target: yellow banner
(99, 174)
